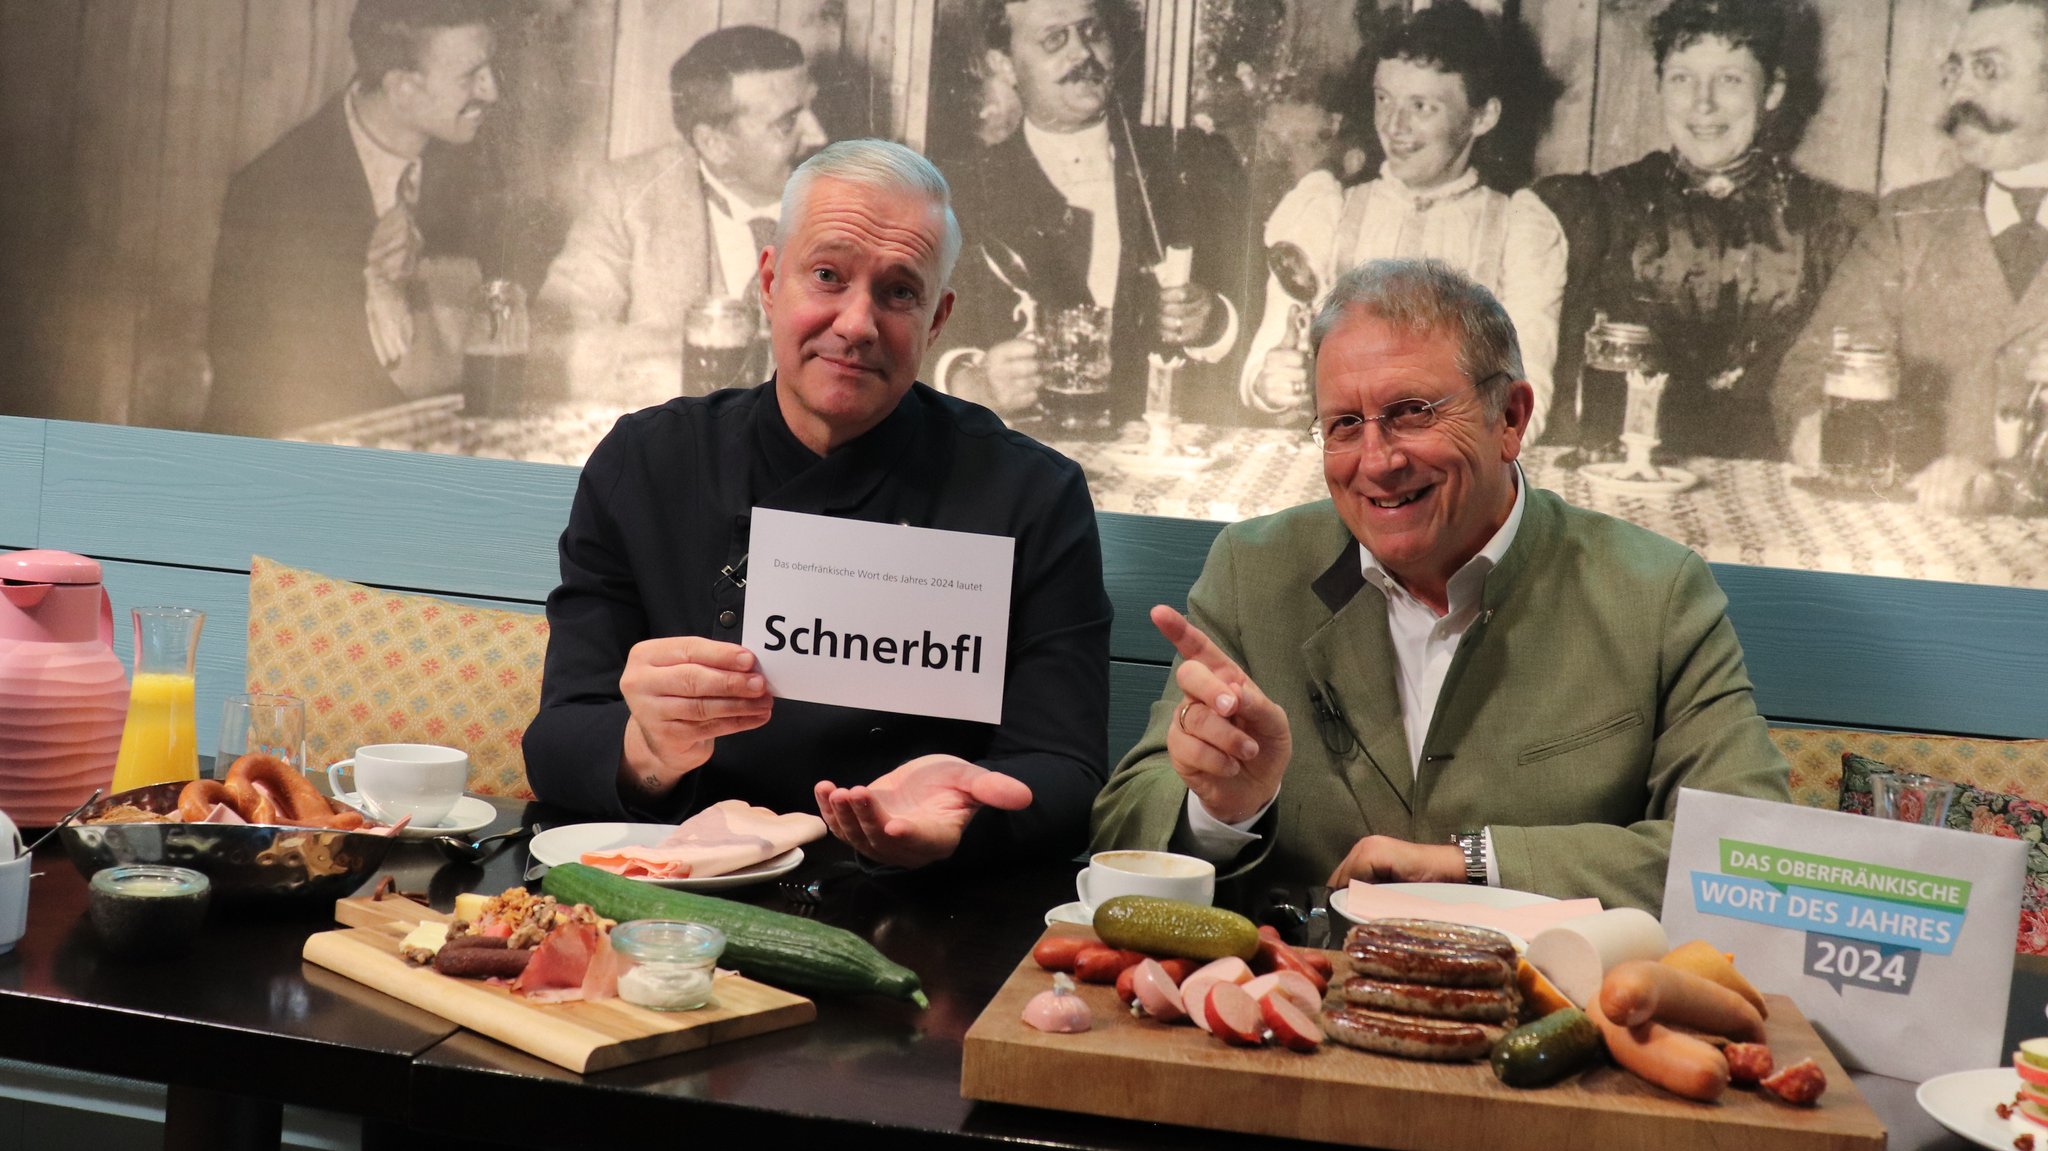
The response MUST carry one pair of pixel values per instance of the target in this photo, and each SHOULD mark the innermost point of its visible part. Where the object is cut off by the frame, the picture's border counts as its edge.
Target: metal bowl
(247, 863)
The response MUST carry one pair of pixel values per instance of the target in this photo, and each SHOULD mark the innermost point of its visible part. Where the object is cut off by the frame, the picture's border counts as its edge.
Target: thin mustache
(1970, 112)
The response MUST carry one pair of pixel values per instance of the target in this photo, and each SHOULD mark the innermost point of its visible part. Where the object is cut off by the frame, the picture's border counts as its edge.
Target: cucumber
(1171, 927)
(783, 950)
(1547, 1050)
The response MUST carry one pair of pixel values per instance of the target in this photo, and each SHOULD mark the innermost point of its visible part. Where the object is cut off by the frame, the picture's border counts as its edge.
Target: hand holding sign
(684, 692)
(914, 814)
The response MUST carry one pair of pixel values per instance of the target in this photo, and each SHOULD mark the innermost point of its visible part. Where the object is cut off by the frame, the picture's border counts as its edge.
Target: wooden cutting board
(582, 1037)
(1142, 1069)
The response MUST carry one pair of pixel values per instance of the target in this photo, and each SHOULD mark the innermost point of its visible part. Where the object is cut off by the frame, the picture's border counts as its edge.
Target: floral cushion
(378, 666)
(1987, 813)
(2016, 766)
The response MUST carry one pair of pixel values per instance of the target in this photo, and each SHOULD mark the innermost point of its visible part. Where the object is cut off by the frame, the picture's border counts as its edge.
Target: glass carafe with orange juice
(158, 744)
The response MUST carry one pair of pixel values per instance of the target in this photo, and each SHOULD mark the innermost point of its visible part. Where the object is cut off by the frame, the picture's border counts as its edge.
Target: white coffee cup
(396, 780)
(1161, 873)
(13, 902)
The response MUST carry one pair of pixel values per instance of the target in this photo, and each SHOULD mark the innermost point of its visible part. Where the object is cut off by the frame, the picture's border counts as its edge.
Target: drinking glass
(157, 743)
(1910, 797)
(273, 725)
(1076, 352)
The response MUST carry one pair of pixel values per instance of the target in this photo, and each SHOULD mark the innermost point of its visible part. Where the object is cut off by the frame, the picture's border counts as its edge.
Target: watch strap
(1473, 845)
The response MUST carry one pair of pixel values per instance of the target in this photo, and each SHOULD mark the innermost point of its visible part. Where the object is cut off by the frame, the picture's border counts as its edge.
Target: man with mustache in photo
(1078, 206)
(344, 266)
(1947, 275)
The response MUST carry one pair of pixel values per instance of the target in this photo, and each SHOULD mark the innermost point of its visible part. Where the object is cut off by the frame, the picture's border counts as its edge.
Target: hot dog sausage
(1673, 1060)
(1641, 990)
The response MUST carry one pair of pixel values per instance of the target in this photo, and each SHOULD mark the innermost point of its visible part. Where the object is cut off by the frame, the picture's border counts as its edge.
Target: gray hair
(882, 164)
(1426, 296)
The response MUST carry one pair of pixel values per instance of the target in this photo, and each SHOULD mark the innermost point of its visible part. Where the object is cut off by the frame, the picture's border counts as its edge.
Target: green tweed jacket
(1602, 675)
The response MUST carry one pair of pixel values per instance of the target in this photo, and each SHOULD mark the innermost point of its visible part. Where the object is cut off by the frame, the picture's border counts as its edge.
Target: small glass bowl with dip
(668, 963)
(147, 910)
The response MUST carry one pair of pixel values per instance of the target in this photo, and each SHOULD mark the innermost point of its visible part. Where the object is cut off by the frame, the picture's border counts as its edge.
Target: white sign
(879, 616)
(1895, 940)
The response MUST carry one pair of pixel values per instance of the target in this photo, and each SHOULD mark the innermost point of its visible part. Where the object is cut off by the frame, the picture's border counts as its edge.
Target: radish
(1234, 1016)
(1299, 989)
(1296, 1029)
(1229, 969)
(1157, 993)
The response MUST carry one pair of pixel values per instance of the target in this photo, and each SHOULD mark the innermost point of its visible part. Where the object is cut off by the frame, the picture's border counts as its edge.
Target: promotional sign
(879, 616)
(1895, 939)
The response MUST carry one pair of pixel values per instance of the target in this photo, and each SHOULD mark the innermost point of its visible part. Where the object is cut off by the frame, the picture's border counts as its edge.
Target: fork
(811, 892)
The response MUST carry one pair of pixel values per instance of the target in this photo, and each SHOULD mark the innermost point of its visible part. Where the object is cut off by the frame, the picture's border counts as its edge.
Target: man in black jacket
(649, 706)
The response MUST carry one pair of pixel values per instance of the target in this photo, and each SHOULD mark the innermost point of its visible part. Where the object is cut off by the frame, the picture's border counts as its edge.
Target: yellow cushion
(388, 667)
(2013, 766)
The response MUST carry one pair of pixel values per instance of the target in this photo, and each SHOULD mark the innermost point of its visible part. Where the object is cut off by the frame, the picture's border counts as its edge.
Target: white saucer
(1075, 912)
(1965, 1102)
(469, 814)
(559, 845)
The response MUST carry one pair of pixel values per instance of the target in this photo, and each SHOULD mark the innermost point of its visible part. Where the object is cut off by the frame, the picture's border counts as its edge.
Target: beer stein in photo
(272, 725)
(1075, 390)
(1613, 350)
(718, 341)
(1858, 448)
(158, 744)
(494, 354)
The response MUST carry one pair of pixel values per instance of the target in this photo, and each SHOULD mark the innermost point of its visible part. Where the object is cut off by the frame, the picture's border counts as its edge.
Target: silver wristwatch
(1473, 844)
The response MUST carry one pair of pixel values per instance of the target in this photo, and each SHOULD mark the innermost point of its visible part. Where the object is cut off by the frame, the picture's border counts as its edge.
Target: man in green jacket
(1440, 674)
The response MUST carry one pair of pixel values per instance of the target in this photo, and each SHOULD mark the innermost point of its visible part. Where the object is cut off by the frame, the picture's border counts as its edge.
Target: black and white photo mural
(1776, 265)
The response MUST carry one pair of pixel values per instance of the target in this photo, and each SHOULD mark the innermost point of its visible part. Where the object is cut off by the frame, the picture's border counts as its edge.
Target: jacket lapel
(1350, 660)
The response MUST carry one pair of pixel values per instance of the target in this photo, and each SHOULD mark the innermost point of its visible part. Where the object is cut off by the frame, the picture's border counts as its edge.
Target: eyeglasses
(1402, 419)
(1091, 31)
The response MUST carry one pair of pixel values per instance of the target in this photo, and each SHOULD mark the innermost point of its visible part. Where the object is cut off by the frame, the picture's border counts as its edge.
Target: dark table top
(242, 1013)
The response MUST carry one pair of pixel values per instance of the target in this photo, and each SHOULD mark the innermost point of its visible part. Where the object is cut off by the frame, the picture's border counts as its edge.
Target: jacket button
(875, 732)
(726, 618)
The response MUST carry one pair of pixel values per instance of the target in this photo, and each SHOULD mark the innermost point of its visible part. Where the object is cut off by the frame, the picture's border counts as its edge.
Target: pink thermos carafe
(63, 691)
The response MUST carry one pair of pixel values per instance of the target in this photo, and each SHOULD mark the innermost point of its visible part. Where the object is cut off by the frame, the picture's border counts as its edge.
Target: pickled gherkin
(1548, 1049)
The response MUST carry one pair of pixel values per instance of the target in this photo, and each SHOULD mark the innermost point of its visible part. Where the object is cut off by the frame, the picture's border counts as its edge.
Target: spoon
(469, 851)
(68, 817)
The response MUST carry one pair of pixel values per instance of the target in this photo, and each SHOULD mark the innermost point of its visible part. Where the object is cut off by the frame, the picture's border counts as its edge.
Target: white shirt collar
(738, 207)
(1463, 591)
(382, 167)
(1393, 185)
(2000, 212)
(1067, 157)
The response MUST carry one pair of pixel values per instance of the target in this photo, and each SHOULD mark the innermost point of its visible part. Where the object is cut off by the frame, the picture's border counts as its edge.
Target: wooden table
(241, 1026)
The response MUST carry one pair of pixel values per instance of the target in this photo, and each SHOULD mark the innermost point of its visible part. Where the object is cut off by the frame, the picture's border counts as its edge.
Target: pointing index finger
(1191, 642)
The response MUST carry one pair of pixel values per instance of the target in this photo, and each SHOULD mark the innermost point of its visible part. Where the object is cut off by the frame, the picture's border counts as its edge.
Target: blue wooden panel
(21, 477)
(1149, 560)
(1866, 651)
(395, 519)
(1132, 688)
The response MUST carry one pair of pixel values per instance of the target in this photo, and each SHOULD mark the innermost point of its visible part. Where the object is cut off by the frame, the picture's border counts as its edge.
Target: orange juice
(158, 744)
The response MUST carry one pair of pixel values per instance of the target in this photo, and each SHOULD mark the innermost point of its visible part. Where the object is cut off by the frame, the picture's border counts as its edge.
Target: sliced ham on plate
(722, 838)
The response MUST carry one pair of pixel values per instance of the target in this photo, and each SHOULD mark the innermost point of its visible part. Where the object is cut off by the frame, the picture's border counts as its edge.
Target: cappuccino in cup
(1157, 873)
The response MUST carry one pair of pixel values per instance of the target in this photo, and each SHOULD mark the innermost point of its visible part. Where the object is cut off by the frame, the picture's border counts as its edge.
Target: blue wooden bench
(175, 516)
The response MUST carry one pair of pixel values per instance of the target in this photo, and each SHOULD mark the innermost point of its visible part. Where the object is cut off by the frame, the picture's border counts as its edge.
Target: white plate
(1446, 893)
(1075, 912)
(469, 814)
(559, 845)
(1965, 1102)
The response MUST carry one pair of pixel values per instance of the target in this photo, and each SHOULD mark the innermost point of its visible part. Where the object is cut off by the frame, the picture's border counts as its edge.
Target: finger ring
(1180, 718)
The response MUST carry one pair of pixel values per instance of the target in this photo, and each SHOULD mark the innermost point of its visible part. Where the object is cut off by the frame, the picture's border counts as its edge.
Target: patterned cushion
(1988, 813)
(387, 667)
(2017, 766)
